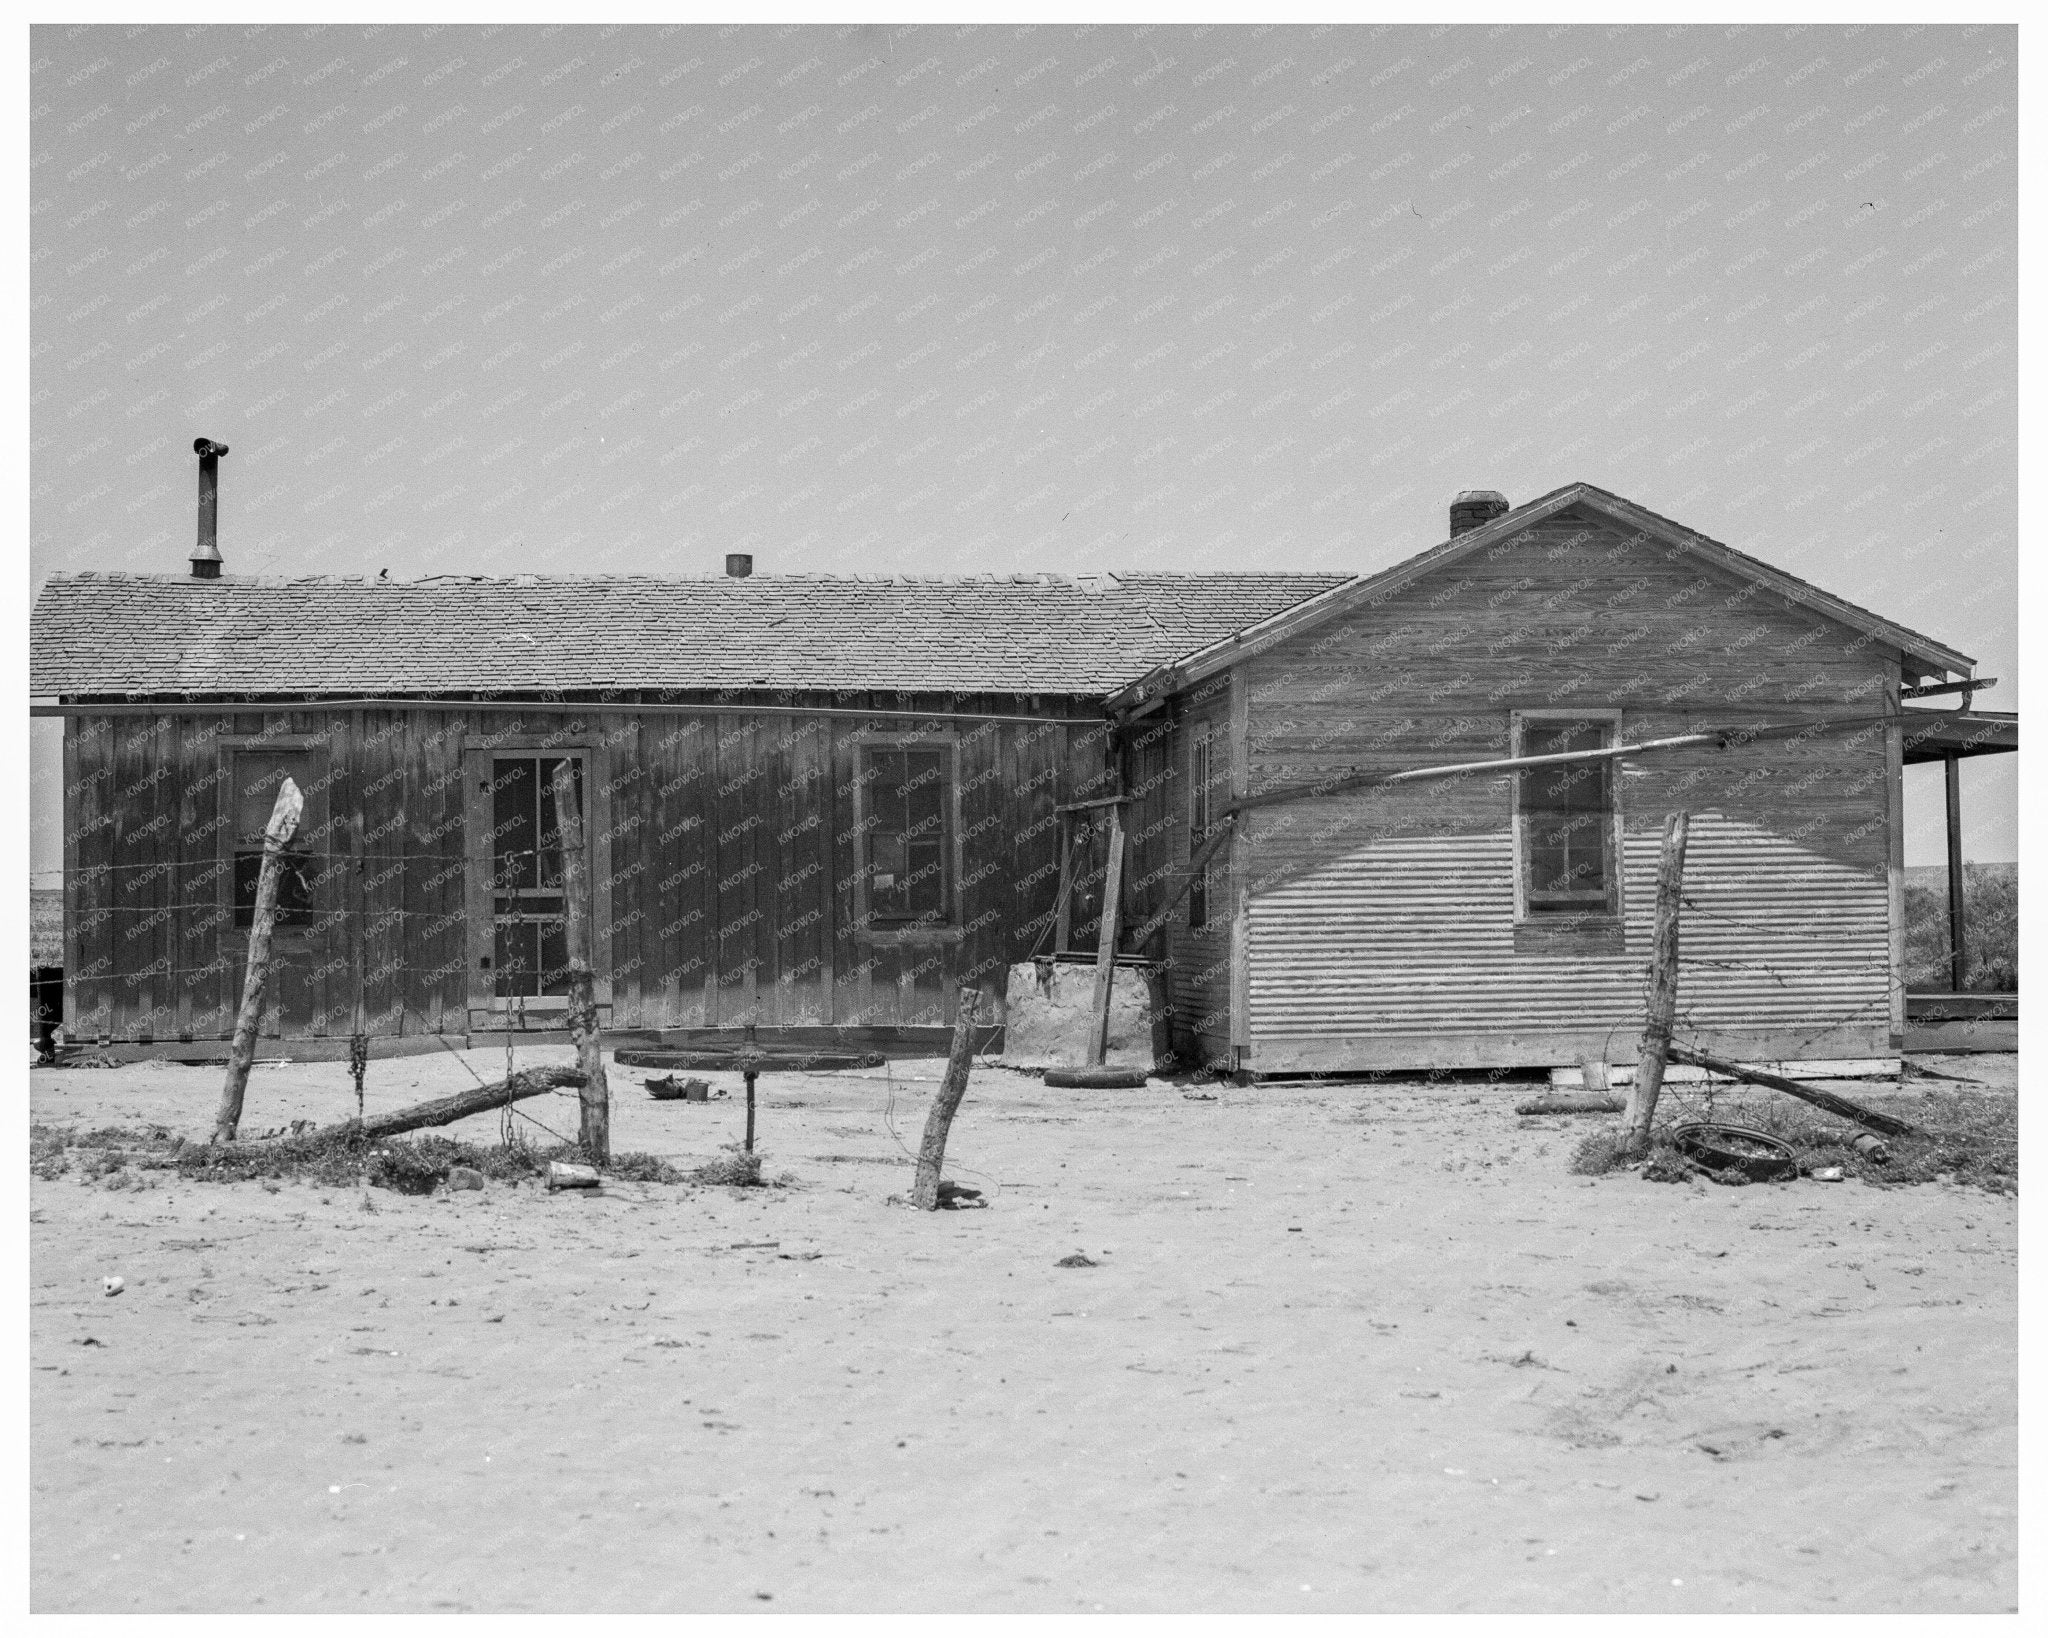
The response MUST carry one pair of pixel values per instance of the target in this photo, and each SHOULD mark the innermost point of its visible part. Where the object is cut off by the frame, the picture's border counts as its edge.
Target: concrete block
(1049, 1008)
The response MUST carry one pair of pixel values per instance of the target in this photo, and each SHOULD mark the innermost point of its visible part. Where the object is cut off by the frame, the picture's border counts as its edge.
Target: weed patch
(406, 1166)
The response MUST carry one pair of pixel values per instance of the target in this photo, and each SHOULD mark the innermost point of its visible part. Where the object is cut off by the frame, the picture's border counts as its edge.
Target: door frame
(486, 1009)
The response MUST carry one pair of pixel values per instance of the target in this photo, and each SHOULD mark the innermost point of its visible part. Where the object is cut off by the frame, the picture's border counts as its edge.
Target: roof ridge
(1048, 577)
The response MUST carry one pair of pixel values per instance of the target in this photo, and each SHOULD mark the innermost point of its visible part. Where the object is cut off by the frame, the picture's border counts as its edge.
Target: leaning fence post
(595, 1132)
(1663, 998)
(284, 820)
(931, 1154)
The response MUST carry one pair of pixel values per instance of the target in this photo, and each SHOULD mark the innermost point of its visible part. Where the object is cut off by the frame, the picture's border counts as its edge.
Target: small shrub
(1601, 1151)
(1667, 1165)
(635, 1167)
(738, 1170)
(404, 1169)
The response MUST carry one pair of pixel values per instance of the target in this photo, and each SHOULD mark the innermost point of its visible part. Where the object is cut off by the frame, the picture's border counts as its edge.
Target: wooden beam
(1450, 770)
(1721, 738)
(284, 819)
(1105, 939)
(1218, 834)
(528, 1083)
(174, 706)
(1966, 687)
(1958, 932)
(1098, 802)
(595, 1131)
(1831, 1102)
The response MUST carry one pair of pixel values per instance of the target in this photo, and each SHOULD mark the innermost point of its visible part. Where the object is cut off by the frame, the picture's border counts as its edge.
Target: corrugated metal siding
(1412, 935)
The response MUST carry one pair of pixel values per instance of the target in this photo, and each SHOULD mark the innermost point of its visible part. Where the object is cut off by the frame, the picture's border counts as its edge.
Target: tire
(1755, 1155)
(1099, 1077)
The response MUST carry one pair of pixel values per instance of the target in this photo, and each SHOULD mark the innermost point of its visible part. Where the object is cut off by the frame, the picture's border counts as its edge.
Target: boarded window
(259, 775)
(909, 835)
(1199, 818)
(1567, 820)
(530, 947)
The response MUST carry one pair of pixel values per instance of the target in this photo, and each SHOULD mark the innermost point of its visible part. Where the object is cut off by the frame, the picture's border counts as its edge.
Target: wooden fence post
(931, 1154)
(1663, 999)
(1105, 938)
(595, 1132)
(284, 820)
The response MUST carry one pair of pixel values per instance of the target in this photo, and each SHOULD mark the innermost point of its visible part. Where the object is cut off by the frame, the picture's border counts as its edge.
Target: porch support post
(1958, 948)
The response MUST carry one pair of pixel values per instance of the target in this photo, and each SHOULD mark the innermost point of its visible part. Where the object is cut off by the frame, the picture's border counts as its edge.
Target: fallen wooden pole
(528, 1083)
(1829, 1101)
(284, 819)
(1656, 1047)
(1573, 1103)
(595, 1131)
(1202, 855)
(1105, 940)
(931, 1154)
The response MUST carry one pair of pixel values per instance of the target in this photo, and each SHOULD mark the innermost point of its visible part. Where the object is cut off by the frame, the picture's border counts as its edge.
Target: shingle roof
(105, 634)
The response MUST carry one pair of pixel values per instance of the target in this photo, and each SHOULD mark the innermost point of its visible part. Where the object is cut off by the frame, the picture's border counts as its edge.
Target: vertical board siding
(1197, 958)
(1387, 916)
(724, 869)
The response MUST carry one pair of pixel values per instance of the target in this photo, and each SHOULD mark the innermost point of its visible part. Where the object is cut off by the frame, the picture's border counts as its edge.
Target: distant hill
(1936, 876)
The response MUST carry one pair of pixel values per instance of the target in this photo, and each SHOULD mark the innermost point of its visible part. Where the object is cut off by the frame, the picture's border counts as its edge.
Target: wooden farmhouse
(819, 805)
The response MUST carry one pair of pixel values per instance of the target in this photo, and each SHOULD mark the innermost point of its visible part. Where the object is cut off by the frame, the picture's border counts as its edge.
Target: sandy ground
(1346, 1349)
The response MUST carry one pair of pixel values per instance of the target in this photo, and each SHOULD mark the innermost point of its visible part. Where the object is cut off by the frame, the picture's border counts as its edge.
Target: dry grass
(1600, 1151)
(409, 1166)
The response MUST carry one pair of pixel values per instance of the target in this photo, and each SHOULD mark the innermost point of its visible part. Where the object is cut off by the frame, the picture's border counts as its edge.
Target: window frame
(230, 748)
(950, 930)
(1610, 914)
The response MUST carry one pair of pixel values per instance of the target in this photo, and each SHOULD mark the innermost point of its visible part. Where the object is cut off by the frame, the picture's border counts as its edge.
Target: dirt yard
(1345, 1349)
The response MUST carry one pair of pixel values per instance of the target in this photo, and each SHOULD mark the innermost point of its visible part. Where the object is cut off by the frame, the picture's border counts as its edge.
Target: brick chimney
(1474, 507)
(738, 565)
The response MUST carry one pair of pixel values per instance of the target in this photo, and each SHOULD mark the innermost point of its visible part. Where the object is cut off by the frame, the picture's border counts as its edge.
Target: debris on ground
(1966, 1137)
(1079, 1259)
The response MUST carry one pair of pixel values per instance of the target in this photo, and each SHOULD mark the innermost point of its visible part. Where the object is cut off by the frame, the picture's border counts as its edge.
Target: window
(258, 776)
(1566, 818)
(529, 942)
(909, 835)
(1198, 820)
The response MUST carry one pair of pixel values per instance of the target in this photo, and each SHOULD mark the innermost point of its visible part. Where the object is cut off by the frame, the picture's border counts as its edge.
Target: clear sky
(953, 299)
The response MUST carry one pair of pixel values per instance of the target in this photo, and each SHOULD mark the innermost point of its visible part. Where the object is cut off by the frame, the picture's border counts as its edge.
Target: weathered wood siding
(1381, 926)
(1196, 959)
(724, 855)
